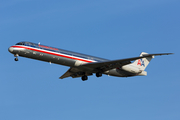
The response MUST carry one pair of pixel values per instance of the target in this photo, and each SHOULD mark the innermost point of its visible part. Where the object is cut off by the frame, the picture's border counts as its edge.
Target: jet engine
(131, 69)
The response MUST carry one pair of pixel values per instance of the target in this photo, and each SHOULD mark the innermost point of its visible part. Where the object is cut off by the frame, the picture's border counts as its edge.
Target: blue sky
(112, 29)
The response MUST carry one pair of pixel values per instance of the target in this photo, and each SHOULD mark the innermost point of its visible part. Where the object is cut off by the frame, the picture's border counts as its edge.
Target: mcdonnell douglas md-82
(82, 65)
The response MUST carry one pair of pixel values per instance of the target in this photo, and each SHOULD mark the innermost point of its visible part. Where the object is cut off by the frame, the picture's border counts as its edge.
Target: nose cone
(10, 49)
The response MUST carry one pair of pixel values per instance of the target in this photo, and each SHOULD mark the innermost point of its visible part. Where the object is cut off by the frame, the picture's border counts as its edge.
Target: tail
(142, 63)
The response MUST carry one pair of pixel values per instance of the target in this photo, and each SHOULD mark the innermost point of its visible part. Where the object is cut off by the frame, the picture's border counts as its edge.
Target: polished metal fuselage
(67, 58)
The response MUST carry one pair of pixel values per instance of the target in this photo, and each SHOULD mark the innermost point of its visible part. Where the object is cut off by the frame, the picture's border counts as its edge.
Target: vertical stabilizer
(142, 63)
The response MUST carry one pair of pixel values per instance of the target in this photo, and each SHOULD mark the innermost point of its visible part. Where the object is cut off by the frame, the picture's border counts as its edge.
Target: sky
(111, 29)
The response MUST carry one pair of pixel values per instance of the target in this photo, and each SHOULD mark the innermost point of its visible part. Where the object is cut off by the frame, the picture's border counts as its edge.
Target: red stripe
(57, 54)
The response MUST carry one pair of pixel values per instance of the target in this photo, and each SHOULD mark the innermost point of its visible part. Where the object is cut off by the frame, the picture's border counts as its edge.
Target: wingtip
(168, 53)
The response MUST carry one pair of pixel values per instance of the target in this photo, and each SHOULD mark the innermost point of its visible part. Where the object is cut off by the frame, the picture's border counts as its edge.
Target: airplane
(82, 65)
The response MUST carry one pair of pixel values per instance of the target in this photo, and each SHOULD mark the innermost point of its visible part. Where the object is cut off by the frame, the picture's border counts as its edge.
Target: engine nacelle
(131, 69)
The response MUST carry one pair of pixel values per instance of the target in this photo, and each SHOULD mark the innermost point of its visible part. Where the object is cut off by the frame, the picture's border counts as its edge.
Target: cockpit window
(20, 43)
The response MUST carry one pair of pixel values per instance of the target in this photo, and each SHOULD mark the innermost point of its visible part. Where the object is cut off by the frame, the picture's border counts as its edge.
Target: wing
(75, 72)
(108, 65)
(89, 68)
(67, 74)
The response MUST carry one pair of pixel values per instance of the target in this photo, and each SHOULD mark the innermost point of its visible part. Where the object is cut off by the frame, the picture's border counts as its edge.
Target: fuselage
(51, 54)
(60, 56)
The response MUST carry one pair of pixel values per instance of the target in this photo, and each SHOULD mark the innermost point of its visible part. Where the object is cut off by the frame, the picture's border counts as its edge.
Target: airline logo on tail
(141, 62)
